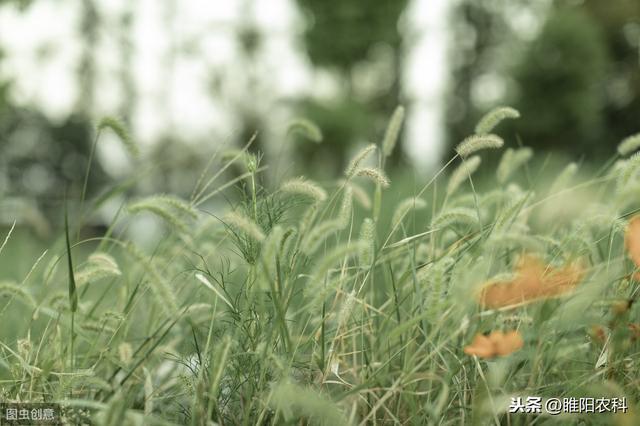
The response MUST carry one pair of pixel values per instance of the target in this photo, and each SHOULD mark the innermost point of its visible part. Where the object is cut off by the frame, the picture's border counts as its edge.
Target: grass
(342, 303)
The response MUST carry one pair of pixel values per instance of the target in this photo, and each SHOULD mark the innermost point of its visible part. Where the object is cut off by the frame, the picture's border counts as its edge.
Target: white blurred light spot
(488, 89)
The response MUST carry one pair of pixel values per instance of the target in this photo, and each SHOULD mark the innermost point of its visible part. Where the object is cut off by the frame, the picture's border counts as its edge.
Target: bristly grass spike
(494, 117)
(393, 131)
(476, 143)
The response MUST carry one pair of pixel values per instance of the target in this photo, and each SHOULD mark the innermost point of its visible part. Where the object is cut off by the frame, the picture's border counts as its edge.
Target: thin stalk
(73, 294)
(86, 175)
(254, 197)
(322, 342)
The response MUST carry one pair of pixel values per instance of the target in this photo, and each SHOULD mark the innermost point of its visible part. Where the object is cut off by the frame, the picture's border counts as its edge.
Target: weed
(299, 306)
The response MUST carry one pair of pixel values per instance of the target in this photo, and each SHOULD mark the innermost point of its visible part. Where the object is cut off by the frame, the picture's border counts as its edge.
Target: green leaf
(73, 294)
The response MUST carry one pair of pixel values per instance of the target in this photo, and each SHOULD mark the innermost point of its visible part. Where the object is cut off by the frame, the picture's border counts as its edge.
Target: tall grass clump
(354, 301)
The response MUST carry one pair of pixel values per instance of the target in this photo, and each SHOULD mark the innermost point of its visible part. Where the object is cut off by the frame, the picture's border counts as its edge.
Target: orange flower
(507, 342)
(621, 307)
(496, 343)
(632, 242)
(634, 328)
(598, 333)
(481, 346)
(533, 281)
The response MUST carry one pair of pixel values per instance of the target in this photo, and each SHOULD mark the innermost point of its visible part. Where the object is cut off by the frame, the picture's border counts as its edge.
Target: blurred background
(194, 76)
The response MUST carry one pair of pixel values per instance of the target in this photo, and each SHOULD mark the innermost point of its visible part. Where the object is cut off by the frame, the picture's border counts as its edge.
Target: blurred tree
(340, 120)
(23, 4)
(43, 158)
(4, 92)
(341, 36)
(481, 35)
(620, 24)
(249, 40)
(89, 26)
(40, 159)
(576, 82)
(340, 33)
(176, 167)
(243, 85)
(127, 50)
(560, 85)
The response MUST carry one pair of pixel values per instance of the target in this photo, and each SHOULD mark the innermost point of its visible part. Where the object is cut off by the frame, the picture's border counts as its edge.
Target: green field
(355, 301)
